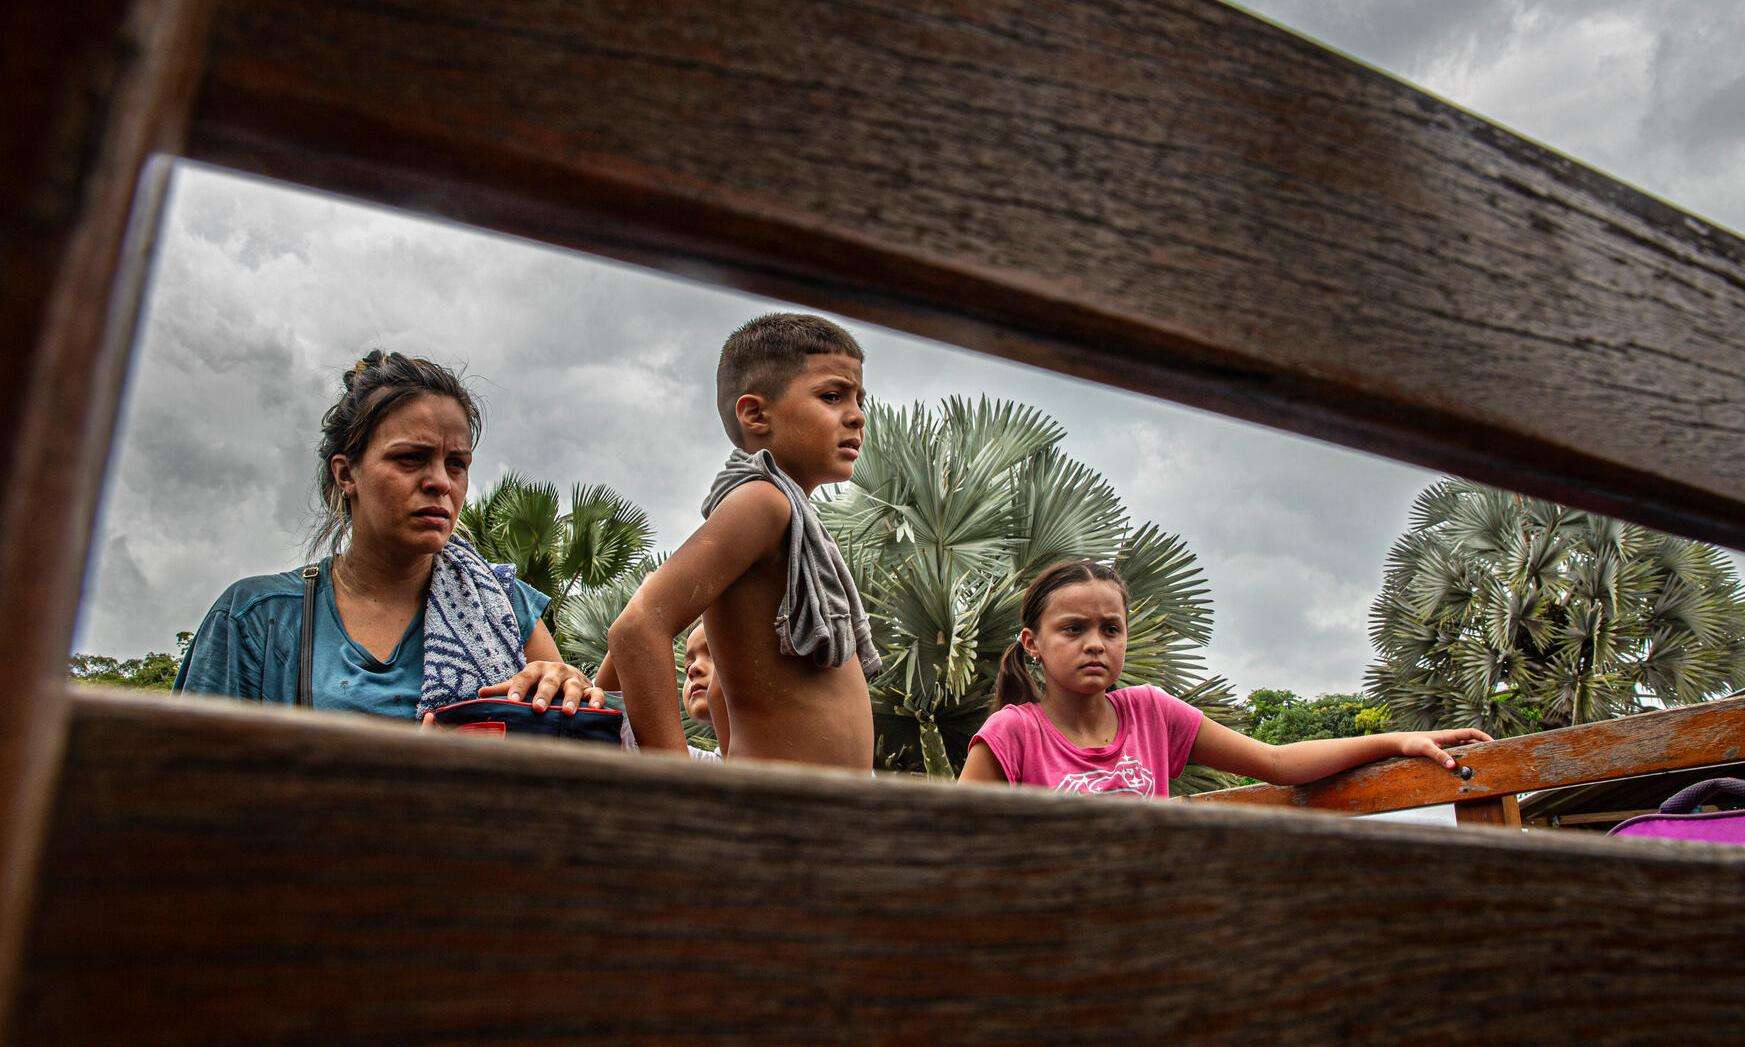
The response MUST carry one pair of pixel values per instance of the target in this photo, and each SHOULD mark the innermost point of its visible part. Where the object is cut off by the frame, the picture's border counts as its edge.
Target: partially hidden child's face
(699, 672)
(816, 424)
(1081, 638)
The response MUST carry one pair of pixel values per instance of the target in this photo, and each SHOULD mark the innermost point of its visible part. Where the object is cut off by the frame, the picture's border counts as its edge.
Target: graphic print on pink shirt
(1129, 776)
(1155, 734)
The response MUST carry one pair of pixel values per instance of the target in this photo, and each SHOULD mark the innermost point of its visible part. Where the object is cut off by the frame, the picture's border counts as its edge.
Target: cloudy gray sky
(601, 373)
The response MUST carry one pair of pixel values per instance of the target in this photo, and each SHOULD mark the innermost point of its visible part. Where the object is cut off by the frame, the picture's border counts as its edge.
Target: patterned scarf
(471, 638)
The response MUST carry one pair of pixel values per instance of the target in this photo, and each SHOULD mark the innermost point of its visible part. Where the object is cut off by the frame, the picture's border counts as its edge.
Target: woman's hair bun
(369, 362)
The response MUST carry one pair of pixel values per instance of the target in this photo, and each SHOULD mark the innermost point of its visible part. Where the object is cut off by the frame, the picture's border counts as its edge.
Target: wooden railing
(221, 872)
(1173, 197)
(1484, 788)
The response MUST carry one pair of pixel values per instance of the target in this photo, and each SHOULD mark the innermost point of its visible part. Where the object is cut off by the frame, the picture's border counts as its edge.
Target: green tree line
(156, 671)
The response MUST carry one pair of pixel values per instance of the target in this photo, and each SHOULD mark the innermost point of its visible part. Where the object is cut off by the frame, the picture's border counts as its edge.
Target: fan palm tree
(1515, 615)
(949, 515)
(561, 553)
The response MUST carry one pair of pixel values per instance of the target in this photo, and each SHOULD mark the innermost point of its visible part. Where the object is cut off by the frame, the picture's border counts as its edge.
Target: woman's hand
(1428, 744)
(541, 682)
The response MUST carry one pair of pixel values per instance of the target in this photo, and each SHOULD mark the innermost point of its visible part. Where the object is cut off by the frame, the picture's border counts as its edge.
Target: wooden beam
(1173, 197)
(1689, 736)
(1556, 821)
(1501, 811)
(90, 91)
(228, 872)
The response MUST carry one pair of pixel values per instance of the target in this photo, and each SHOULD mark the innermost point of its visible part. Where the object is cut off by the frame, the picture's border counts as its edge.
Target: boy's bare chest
(741, 623)
(743, 637)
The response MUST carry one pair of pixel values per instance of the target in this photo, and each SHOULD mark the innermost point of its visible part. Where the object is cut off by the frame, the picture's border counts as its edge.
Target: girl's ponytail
(1013, 684)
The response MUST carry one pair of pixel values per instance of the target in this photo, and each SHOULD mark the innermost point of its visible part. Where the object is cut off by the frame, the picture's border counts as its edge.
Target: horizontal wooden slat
(1166, 195)
(1601, 817)
(1690, 736)
(223, 872)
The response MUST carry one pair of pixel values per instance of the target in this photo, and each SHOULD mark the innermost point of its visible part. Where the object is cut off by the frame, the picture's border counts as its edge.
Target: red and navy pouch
(500, 716)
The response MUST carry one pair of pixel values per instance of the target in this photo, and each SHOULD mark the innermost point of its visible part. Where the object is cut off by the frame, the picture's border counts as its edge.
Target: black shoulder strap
(306, 643)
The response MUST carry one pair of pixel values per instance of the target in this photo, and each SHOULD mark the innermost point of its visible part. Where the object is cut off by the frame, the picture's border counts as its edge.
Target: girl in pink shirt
(1076, 735)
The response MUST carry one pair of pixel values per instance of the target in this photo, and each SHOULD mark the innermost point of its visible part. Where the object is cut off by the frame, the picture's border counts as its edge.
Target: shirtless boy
(791, 655)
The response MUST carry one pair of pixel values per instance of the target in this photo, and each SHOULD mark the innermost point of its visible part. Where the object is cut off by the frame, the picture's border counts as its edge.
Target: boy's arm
(607, 678)
(1222, 749)
(743, 528)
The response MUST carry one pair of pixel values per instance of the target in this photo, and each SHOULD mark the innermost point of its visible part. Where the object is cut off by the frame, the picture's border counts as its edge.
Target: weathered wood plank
(1501, 811)
(90, 90)
(1690, 736)
(224, 872)
(1553, 821)
(1168, 195)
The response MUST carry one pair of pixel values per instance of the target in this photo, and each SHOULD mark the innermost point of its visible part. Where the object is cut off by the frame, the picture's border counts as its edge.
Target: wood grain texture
(1166, 195)
(1690, 736)
(228, 873)
(1502, 811)
(90, 90)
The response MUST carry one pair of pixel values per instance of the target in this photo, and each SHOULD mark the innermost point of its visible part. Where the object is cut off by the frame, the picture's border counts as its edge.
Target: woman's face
(407, 489)
(1081, 638)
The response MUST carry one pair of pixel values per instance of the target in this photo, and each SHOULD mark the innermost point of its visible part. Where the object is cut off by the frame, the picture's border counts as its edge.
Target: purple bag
(1676, 822)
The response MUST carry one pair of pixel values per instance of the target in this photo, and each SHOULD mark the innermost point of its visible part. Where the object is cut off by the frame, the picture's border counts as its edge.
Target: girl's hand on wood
(542, 682)
(1428, 744)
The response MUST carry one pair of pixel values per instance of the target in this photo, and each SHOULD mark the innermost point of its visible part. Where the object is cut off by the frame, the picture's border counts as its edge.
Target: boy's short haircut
(764, 356)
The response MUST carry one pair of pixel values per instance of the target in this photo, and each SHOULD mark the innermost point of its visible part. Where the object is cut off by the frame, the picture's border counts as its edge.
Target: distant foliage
(950, 513)
(1514, 615)
(154, 672)
(1281, 717)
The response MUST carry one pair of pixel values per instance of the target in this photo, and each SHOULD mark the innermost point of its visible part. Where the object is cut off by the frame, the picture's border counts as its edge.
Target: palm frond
(585, 616)
(1164, 579)
(1065, 510)
(1517, 614)
(948, 516)
(602, 535)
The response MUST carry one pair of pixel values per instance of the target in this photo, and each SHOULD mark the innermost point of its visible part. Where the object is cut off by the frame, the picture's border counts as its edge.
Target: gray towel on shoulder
(820, 617)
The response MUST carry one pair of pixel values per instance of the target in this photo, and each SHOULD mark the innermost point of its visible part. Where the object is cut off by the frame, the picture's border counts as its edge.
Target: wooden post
(93, 90)
(1493, 810)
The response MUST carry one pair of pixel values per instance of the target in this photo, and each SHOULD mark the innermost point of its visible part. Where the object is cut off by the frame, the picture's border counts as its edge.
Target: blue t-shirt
(247, 648)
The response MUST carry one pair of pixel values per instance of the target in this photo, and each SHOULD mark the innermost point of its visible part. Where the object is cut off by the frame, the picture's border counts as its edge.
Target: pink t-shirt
(1155, 734)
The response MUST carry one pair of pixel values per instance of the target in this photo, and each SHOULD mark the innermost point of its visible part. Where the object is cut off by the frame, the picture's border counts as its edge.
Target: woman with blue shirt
(406, 616)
